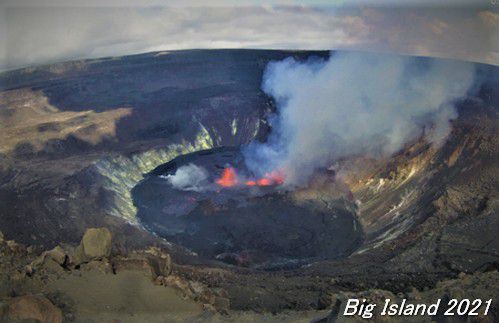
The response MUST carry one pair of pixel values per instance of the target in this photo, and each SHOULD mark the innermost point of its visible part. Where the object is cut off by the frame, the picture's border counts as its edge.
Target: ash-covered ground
(84, 145)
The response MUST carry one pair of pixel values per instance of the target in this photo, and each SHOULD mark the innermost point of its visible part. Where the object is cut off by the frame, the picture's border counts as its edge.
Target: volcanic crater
(408, 222)
(242, 221)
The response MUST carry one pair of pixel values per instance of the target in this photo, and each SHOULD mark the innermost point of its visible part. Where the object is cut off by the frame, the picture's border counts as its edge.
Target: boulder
(53, 260)
(95, 244)
(58, 255)
(161, 266)
(160, 261)
(31, 308)
(153, 262)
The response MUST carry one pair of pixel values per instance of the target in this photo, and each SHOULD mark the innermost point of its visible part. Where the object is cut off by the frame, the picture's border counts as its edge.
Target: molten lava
(250, 183)
(230, 178)
(263, 182)
(275, 177)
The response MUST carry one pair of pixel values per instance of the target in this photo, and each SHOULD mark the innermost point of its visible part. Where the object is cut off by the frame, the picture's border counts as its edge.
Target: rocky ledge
(40, 285)
(34, 282)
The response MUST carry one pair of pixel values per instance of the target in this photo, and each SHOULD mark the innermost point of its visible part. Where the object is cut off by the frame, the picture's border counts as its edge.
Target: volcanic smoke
(354, 104)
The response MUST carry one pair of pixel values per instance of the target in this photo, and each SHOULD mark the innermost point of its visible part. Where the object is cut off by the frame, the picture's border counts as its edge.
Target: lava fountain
(230, 178)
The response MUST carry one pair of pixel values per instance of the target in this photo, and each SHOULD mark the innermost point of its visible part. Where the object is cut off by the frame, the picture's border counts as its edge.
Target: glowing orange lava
(229, 178)
(263, 182)
(250, 183)
(276, 177)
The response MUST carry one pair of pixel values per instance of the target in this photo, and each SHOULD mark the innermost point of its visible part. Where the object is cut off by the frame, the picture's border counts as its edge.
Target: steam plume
(188, 178)
(354, 103)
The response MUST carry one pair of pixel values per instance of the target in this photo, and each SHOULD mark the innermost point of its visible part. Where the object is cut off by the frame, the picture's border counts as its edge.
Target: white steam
(188, 178)
(354, 103)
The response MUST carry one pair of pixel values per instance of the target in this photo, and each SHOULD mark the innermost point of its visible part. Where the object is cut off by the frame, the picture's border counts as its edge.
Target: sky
(46, 31)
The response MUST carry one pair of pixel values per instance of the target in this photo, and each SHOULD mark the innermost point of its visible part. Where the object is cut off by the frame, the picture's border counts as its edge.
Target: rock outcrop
(95, 244)
(57, 256)
(30, 308)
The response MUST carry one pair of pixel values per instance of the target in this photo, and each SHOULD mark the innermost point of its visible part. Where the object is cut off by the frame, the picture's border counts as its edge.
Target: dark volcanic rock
(261, 227)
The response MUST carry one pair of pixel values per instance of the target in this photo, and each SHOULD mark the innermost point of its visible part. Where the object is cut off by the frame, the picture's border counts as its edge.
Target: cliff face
(96, 182)
(78, 137)
(432, 201)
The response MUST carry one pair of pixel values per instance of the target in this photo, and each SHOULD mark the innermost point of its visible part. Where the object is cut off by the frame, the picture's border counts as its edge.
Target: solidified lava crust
(258, 227)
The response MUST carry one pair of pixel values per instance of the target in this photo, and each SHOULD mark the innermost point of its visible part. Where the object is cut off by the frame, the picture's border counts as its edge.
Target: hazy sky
(43, 31)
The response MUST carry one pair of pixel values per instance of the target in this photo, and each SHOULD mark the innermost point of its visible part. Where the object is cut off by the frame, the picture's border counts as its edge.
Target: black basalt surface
(260, 227)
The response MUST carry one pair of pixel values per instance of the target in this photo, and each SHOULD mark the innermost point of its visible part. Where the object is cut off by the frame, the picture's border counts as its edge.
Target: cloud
(43, 34)
(354, 103)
